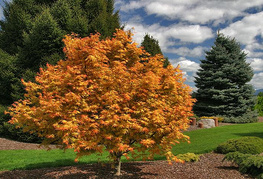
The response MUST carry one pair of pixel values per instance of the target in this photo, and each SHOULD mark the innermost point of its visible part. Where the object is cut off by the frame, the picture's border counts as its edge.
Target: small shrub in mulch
(189, 157)
(247, 163)
(246, 145)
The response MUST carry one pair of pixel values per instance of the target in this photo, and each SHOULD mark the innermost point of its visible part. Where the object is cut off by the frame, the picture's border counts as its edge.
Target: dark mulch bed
(209, 166)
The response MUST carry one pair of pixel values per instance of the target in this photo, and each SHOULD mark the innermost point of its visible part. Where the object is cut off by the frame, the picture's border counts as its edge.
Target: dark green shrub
(246, 145)
(249, 117)
(10, 131)
(248, 163)
(189, 157)
(3, 119)
(259, 105)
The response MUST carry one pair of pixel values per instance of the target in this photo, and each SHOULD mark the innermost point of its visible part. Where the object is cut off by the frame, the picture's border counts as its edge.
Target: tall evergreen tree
(44, 40)
(31, 35)
(18, 19)
(101, 16)
(7, 75)
(33, 30)
(222, 81)
(151, 46)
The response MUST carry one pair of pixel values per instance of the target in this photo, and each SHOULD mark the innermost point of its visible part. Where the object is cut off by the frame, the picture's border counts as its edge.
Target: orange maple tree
(107, 95)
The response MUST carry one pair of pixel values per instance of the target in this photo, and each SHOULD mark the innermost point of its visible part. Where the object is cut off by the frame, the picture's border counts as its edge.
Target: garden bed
(209, 166)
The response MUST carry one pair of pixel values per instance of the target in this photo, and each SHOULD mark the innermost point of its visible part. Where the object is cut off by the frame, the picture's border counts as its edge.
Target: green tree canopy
(259, 105)
(222, 81)
(31, 35)
(151, 46)
(260, 94)
(32, 30)
(6, 75)
(44, 33)
(19, 15)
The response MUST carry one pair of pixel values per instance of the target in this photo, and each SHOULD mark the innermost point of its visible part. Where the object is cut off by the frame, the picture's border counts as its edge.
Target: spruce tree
(33, 30)
(44, 40)
(7, 76)
(151, 46)
(18, 19)
(31, 35)
(222, 81)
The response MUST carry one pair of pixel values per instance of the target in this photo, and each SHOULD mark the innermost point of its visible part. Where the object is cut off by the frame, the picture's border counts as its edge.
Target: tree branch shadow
(255, 134)
(96, 170)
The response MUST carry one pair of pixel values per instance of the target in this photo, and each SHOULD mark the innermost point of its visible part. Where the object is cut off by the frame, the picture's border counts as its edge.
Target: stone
(207, 123)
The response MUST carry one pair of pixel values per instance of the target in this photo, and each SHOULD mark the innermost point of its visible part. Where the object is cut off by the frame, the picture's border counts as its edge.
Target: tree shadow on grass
(80, 170)
(228, 167)
(255, 134)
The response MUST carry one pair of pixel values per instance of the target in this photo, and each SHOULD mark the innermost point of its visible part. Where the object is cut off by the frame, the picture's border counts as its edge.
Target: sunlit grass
(202, 141)
(206, 140)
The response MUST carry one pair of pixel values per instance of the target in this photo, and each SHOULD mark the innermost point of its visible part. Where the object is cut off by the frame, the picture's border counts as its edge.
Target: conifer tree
(44, 40)
(151, 46)
(33, 30)
(18, 16)
(222, 81)
(6, 76)
(31, 35)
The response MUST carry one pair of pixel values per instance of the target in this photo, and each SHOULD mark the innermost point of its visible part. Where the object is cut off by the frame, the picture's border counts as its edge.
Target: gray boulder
(207, 123)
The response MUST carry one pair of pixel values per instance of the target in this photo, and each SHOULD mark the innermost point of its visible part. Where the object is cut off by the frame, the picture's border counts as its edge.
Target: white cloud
(185, 28)
(190, 33)
(184, 51)
(256, 64)
(246, 29)
(188, 67)
(185, 64)
(254, 50)
(186, 12)
(169, 36)
(246, 32)
(194, 11)
(132, 5)
(257, 81)
(2, 4)
(1, 13)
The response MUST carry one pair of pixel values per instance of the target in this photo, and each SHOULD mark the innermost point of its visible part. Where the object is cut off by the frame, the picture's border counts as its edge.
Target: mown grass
(31, 159)
(202, 141)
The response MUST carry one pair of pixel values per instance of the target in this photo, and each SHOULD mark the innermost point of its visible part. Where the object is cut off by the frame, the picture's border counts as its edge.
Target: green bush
(10, 131)
(259, 105)
(189, 157)
(248, 163)
(3, 118)
(246, 145)
(249, 117)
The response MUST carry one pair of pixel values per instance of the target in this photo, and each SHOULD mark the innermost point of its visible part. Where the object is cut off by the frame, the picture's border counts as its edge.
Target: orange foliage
(107, 94)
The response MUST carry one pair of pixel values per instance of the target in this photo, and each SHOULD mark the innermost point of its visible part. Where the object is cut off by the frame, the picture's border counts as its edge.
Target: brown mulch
(210, 166)
(6, 144)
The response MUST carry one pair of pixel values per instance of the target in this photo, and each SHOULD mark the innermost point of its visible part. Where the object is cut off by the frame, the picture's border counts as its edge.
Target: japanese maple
(107, 95)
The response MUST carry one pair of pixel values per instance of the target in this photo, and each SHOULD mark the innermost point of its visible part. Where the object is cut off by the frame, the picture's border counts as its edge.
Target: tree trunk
(118, 166)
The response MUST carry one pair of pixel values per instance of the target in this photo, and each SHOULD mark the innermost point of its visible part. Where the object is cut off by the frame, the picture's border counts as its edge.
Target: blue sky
(187, 28)
(1, 5)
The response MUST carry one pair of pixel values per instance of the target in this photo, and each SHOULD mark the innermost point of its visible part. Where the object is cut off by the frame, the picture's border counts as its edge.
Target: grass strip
(202, 141)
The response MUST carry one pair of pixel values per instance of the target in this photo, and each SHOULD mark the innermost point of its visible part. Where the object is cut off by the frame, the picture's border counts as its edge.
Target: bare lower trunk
(118, 166)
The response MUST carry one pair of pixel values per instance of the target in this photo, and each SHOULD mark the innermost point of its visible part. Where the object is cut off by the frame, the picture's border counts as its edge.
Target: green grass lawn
(202, 141)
